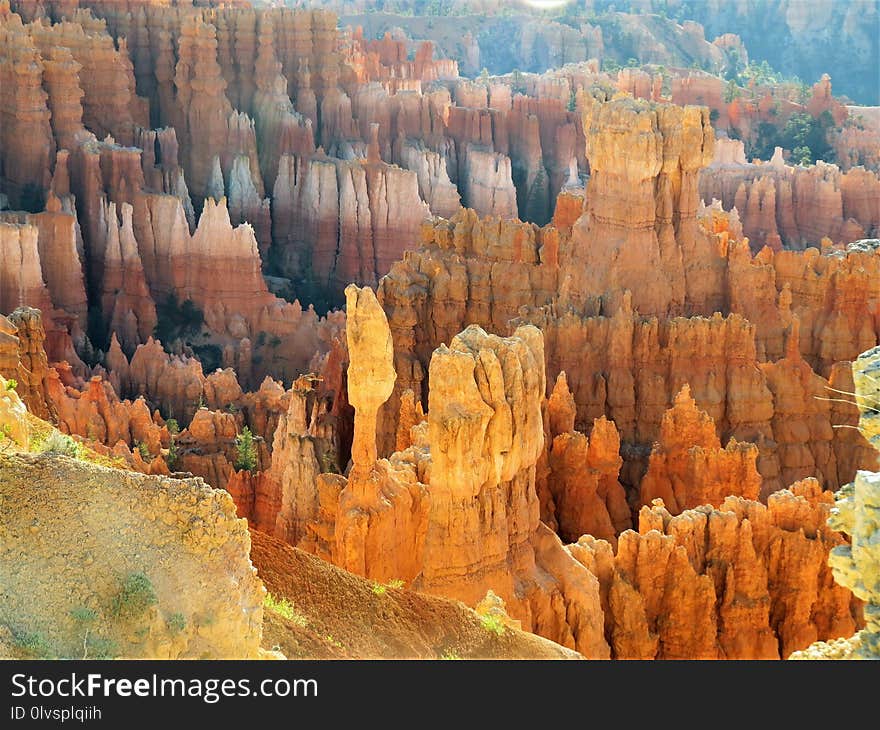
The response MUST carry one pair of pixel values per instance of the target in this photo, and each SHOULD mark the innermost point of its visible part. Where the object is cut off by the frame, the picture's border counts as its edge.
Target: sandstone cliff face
(236, 309)
(649, 239)
(339, 221)
(720, 582)
(26, 140)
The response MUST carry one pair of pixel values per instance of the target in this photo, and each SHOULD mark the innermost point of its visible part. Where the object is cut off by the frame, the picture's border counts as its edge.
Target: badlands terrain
(448, 331)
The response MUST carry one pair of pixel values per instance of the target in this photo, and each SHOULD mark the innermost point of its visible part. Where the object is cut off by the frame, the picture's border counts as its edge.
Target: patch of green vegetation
(176, 622)
(61, 443)
(33, 645)
(285, 609)
(493, 624)
(449, 655)
(85, 617)
(804, 136)
(173, 454)
(330, 640)
(84, 614)
(135, 597)
(143, 450)
(172, 426)
(11, 384)
(6, 442)
(246, 451)
(102, 648)
(731, 91)
(380, 589)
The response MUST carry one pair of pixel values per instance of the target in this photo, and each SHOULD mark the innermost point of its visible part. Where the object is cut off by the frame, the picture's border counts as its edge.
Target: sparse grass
(493, 624)
(136, 596)
(380, 589)
(84, 614)
(330, 640)
(45, 439)
(176, 623)
(85, 617)
(449, 654)
(61, 443)
(33, 645)
(285, 609)
(102, 648)
(6, 441)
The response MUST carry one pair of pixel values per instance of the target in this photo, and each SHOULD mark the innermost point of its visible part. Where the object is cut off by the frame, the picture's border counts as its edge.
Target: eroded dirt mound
(98, 562)
(330, 613)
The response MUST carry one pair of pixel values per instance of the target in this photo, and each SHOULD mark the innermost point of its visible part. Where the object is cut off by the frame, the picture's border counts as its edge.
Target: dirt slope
(339, 615)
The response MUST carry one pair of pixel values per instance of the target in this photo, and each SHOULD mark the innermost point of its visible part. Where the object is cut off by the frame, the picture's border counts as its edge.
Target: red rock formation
(688, 467)
(33, 365)
(126, 302)
(344, 220)
(97, 414)
(280, 129)
(741, 581)
(173, 383)
(209, 127)
(27, 146)
(578, 487)
(472, 521)
(109, 104)
(21, 275)
(795, 206)
(236, 309)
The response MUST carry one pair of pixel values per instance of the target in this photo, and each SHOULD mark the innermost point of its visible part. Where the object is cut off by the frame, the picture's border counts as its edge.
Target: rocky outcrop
(110, 105)
(173, 546)
(33, 365)
(688, 467)
(577, 477)
(13, 416)
(854, 564)
(740, 581)
(470, 520)
(126, 303)
(593, 305)
(640, 232)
